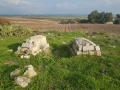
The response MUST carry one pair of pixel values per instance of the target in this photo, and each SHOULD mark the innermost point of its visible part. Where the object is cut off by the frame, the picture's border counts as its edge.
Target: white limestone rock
(22, 81)
(14, 73)
(33, 45)
(97, 48)
(84, 46)
(26, 56)
(88, 48)
(21, 56)
(30, 71)
(91, 52)
(98, 53)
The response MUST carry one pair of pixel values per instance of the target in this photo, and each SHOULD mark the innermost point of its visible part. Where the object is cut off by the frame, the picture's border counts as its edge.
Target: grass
(64, 72)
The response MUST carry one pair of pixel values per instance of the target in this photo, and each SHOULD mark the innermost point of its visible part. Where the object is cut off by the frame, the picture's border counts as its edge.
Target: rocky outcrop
(22, 80)
(84, 46)
(32, 45)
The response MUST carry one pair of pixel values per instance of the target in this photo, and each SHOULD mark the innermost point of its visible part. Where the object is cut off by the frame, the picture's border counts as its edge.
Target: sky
(37, 7)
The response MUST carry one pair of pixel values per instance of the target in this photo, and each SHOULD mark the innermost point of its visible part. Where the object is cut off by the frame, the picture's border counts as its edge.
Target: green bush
(8, 30)
(81, 20)
(4, 21)
(67, 21)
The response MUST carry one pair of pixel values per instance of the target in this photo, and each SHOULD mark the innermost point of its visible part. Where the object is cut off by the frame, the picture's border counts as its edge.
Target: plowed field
(46, 25)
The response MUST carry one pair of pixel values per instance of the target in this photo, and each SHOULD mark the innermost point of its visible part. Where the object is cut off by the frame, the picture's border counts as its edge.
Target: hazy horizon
(57, 7)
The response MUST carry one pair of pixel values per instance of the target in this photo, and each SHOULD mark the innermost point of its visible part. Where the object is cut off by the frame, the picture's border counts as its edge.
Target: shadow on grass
(6, 81)
(60, 50)
(14, 46)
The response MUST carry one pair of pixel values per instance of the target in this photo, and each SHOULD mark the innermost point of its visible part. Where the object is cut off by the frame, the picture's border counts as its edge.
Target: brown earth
(48, 24)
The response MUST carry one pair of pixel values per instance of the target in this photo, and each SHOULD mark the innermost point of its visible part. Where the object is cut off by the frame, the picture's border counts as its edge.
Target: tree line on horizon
(95, 17)
(103, 17)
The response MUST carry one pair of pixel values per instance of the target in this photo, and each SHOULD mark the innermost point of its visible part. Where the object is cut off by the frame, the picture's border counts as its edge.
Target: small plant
(4, 21)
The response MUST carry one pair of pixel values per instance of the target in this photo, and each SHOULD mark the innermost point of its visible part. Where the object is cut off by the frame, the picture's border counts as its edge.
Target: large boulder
(33, 45)
(84, 46)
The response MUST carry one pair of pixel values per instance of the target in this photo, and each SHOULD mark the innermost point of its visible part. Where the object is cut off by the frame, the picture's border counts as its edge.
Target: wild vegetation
(9, 30)
(6, 29)
(61, 71)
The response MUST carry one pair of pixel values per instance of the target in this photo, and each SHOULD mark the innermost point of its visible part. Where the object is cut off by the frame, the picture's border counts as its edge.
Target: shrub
(67, 21)
(82, 20)
(4, 21)
(8, 30)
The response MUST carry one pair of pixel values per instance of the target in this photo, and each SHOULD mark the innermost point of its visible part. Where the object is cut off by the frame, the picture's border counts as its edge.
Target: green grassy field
(60, 70)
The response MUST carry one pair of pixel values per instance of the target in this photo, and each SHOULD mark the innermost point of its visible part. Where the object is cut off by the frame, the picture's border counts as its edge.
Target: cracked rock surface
(33, 45)
(84, 46)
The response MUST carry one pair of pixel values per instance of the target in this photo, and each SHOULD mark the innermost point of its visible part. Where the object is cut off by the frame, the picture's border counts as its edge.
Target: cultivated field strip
(46, 25)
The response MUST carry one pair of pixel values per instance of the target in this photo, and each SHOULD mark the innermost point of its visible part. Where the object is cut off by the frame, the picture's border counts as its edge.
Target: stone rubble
(14, 73)
(30, 71)
(84, 46)
(32, 45)
(23, 81)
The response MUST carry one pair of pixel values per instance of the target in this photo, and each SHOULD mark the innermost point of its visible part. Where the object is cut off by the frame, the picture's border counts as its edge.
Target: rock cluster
(32, 45)
(22, 80)
(84, 46)
(30, 71)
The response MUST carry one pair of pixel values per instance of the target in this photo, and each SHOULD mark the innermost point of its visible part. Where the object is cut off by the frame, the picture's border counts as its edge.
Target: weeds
(8, 30)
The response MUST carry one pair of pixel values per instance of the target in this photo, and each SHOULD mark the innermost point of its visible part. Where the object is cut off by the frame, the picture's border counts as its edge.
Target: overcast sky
(16, 7)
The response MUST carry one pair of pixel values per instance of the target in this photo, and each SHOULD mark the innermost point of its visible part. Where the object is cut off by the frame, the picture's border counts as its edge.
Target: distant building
(109, 22)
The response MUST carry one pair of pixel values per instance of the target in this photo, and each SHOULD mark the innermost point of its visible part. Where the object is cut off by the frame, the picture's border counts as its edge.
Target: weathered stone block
(88, 48)
(85, 52)
(84, 46)
(33, 45)
(92, 52)
(98, 53)
(14, 73)
(97, 48)
(79, 52)
(26, 45)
